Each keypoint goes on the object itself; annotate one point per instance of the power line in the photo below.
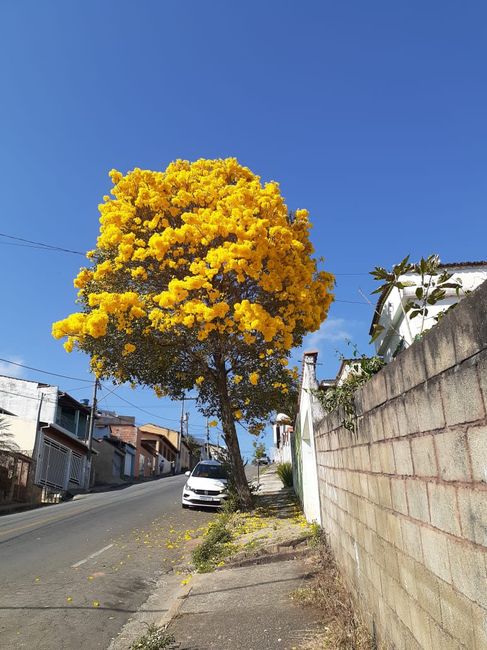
(53, 247)
(45, 372)
(43, 245)
(11, 243)
(152, 415)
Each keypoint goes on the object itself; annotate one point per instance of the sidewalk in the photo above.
(249, 607)
(245, 605)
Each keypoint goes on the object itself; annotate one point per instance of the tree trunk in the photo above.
(232, 443)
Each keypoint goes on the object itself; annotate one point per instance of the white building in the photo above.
(399, 330)
(281, 436)
(49, 426)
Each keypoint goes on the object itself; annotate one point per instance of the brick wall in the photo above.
(404, 498)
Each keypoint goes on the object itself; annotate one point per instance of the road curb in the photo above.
(173, 610)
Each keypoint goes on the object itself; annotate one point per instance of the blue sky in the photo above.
(369, 114)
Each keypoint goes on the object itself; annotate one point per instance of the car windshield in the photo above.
(204, 470)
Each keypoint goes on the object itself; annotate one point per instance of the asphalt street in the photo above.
(72, 574)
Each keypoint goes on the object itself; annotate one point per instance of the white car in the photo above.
(206, 485)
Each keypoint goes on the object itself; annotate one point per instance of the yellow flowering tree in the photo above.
(201, 278)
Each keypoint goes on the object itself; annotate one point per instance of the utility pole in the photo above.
(181, 436)
(91, 427)
(183, 427)
(207, 438)
(38, 446)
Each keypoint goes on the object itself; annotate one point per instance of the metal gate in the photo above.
(76, 469)
(53, 466)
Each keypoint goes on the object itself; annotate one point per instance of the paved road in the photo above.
(72, 574)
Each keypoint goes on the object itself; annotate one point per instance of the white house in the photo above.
(399, 330)
(281, 436)
(49, 426)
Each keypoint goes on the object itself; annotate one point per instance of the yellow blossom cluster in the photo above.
(202, 249)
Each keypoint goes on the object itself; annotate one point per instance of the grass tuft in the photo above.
(215, 545)
(154, 639)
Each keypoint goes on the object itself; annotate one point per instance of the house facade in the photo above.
(281, 437)
(114, 462)
(165, 442)
(50, 427)
(399, 330)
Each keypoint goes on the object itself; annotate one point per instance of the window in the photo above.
(205, 470)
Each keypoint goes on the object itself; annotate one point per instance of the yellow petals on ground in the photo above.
(199, 380)
(254, 378)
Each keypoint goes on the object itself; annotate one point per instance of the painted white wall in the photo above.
(309, 413)
(22, 398)
(23, 432)
(398, 327)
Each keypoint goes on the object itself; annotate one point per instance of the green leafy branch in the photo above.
(430, 289)
(362, 368)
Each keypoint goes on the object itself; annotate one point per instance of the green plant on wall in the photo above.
(362, 368)
(431, 284)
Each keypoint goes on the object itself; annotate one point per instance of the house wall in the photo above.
(23, 431)
(103, 463)
(22, 398)
(145, 464)
(129, 433)
(404, 499)
(185, 461)
(281, 453)
(129, 463)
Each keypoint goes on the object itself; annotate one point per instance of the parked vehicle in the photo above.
(206, 485)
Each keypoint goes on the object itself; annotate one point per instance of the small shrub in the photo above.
(232, 502)
(315, 534)
(212, 549)
(154, 639)
(285, 473)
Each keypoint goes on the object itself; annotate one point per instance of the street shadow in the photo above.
(307, 576)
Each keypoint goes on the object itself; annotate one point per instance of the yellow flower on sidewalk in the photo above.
(128, 348)
(254, 378)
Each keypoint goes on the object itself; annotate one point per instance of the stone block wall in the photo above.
(404, 498)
